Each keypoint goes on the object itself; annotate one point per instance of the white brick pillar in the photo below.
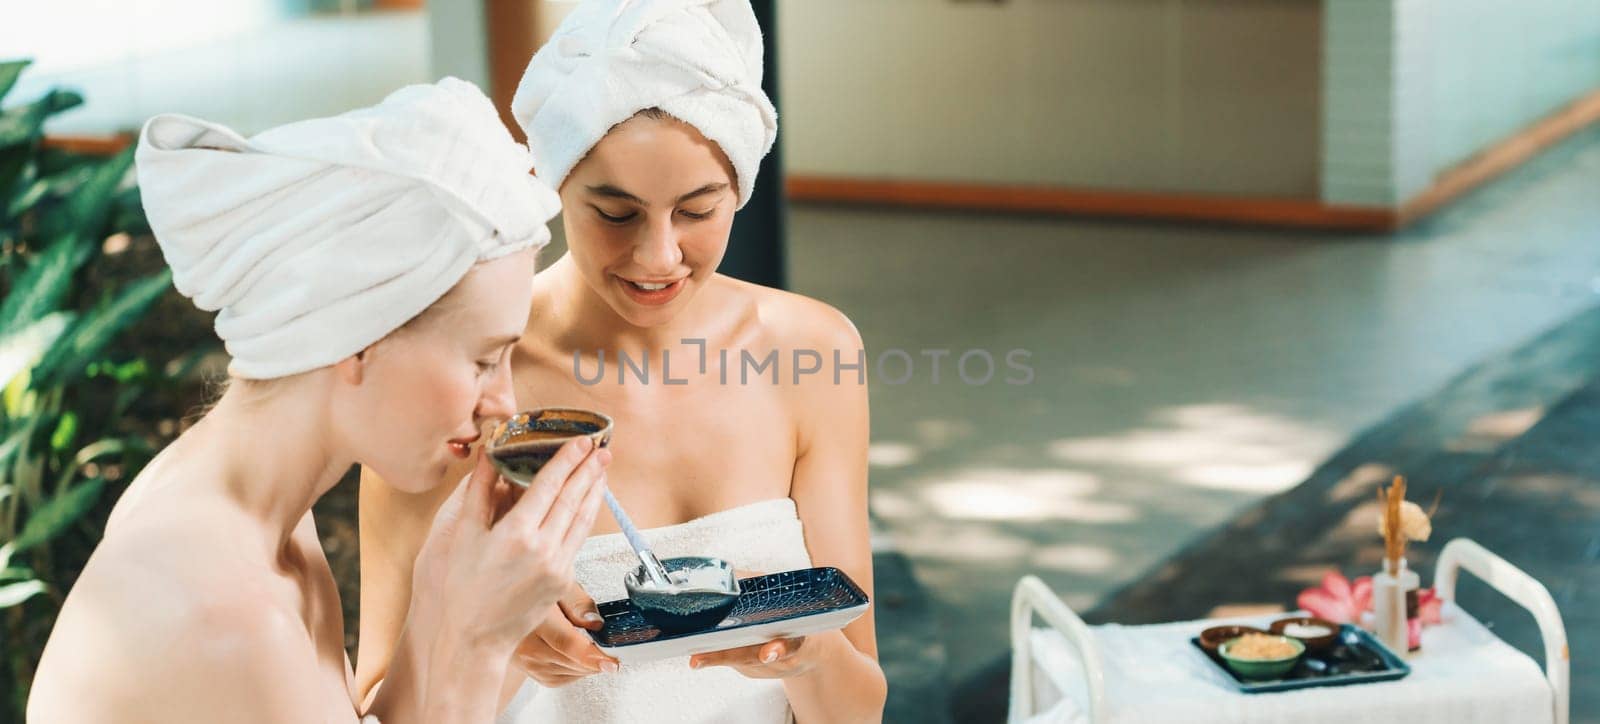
(1376, 150)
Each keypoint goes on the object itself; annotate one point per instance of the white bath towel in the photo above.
(317, 238)
(765, 537)
(698, 60)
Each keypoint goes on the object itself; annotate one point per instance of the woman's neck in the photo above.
(270, 454)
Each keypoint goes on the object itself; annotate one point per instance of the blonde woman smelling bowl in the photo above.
(371, 272)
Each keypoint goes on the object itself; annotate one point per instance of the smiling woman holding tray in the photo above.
(649, 118)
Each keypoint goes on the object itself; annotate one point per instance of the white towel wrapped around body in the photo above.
(317, 238)
(698, 60)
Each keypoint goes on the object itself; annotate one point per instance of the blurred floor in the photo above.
(1180, 373)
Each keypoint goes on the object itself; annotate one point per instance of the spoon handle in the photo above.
(652, 565)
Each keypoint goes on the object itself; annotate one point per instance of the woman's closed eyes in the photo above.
(621, 219)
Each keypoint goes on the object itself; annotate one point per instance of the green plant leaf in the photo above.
(15, 593)
(25, 123)
(15, 574)
(26, 198)
(17, 169)
(42, 286)
(128, 213)
(16, 398)
(106, 446)
(58, 513)
(24, 347)
(12, 444)
(89, 206)
(9, 72)
(66, 431)
(5, 554)
(86, 340)
(130, 371)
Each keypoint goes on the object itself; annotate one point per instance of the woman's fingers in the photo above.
(575, 647)
(478, 504)
(536, 653)
(580, 609)
(583, 523)
(554, 680)
(767, 653)
(530, 510)
(569, 501)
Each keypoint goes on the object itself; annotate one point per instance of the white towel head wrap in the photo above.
(318, 238)
(698, 60)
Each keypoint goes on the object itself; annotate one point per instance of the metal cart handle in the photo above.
(1032, 596)
(1528, 593)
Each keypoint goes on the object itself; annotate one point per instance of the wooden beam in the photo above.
(1090, 202)
(98, 145)
(1264, 211)
(512, 28)
(1503, 157)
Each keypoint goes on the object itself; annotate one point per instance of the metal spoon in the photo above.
(652, 565)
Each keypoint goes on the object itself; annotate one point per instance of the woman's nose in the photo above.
(500, 400)
(657, 252)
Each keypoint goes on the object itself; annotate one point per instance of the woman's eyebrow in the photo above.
(503, 341)
(703, 190)
(613, 192)
(609, 191)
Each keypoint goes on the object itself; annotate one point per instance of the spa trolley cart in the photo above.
(1070, 672)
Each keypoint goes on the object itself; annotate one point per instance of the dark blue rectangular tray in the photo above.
(763, 602)
(1354, 644)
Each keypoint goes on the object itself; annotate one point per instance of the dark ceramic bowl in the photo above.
(1215, 636)
(1313, 643)
(520, 446)
(694, 609)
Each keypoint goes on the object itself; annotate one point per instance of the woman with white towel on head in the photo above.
(372, 271)
(650, 119)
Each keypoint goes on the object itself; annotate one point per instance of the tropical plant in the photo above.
(63, 390)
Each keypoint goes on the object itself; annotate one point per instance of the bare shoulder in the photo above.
(160, 633)
(795, 320)
(822, 360)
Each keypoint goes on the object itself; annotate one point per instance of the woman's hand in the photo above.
(498, 557)
(558, 652)
(777, 659)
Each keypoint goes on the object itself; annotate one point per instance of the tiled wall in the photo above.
(1414, 87)
(1196, 96)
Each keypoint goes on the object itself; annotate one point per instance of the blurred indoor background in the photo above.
(1232, 235)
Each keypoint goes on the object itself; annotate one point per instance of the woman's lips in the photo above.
(651, 297)
(461, 447)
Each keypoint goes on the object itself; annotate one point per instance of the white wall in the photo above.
(65, 35)
(1416, 87)
(1497, 66)
(250, 64)
(1208, 96)
(457, 41)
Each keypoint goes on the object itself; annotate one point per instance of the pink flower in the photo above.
(1343, 601)
(1337, 599)
(1428, 605)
